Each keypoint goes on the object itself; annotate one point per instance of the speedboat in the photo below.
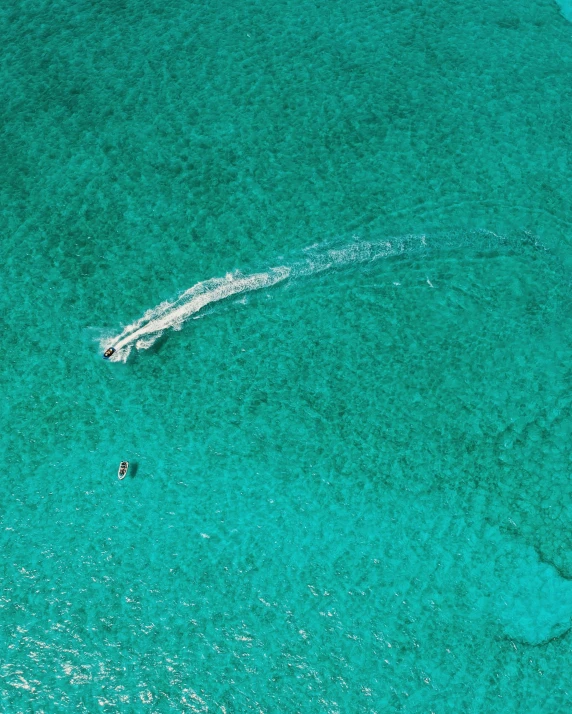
(108, 352)
(123, 467)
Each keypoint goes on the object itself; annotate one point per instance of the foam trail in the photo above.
(145, 331)
(317, 258)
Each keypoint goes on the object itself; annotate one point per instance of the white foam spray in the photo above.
(144, 332)
(317, 258)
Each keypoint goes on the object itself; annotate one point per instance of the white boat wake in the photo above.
(144, 332)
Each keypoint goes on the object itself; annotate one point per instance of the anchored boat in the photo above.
(123, 468)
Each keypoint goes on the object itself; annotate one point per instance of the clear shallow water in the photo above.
(566, 7)
(352, 488)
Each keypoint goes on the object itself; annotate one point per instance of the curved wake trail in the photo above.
(144, 332)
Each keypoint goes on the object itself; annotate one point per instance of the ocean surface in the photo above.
(332, 244)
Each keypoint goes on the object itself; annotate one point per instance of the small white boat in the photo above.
(123, 468)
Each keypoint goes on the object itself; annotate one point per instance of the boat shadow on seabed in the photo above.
(127, 469)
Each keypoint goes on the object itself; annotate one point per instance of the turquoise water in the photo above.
(566, 7)
(334, 242)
